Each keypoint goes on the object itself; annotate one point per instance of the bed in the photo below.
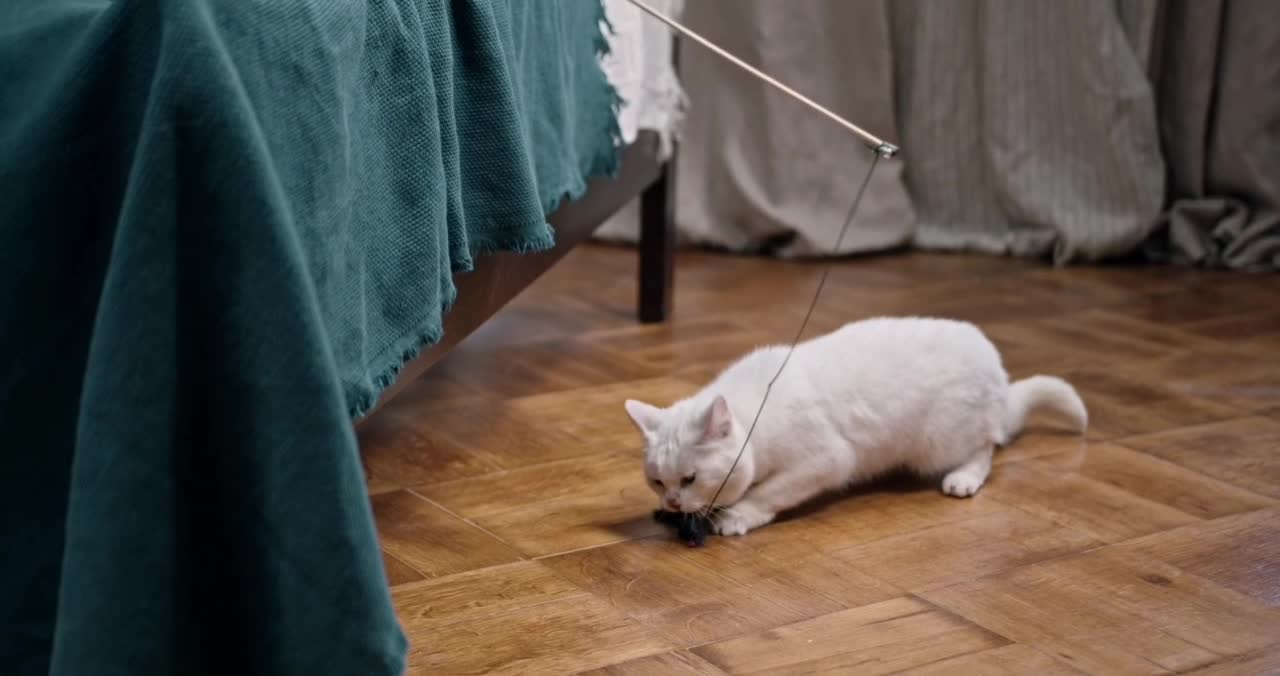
(227, 231)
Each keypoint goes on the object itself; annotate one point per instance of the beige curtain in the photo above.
(1217, 83)
(1080, 130)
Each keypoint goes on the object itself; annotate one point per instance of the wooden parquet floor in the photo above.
(516, 528)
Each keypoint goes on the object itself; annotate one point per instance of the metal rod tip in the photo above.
(886, 150)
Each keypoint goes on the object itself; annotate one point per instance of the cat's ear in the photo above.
(717, 422)
(646, 417)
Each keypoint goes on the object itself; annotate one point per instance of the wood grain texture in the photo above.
(594, 415)
(402, 450)
(1009, 660)
(561, 637)
(399, 572)
(1124, 405)
(678, 663)
(430, 540)
(479, 593)
(1107, 612)
(558, 506)
(1156, 480)
(516, 525)
(881, 638)
(1242, 376)
(1252, 664)
(1102, 511)
(1241, 451)
(1241, 552)
(806, 580)
(992, 542)
(657, 584)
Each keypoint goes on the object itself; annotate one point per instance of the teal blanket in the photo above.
(224, 226)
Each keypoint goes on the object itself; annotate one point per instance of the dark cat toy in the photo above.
(694, 527)
(691, 527)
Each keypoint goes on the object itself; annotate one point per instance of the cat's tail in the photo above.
(1043, 393)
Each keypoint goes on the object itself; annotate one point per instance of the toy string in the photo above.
(822, 282)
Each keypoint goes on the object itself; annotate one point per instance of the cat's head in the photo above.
(689, 449)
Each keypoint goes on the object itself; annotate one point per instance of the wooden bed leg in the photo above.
(657, 247)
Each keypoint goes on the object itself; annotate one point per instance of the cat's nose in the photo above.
(673, 504)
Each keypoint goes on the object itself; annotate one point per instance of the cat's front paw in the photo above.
(961, 484)
(739, 519)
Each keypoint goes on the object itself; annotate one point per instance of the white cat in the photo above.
(928, 395)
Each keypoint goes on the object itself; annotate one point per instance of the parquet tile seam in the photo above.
(467, 521)
(1229, 659)
(1235, 486)
(1129, 438)
(660, 630)
(588, 548)
(1142, 539)
(1000, 573)
(410, 566)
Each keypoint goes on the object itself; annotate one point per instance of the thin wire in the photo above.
(822, 282)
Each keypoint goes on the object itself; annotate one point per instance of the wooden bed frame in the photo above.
(501, 277)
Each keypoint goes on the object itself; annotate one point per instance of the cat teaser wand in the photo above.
(881, 147)
(694, 528)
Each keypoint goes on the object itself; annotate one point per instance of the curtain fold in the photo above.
(1218, 88)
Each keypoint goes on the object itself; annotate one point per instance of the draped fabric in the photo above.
(224, 227)
(1078, 131)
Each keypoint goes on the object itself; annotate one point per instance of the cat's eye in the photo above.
(657, 482)
(688, 480)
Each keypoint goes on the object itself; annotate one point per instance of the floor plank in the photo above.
(677, 663)
(989, 543)
(401, 450)
(1241, 452)
(558, 506)
(1243, 377)
(873, 513)
(1093, 507)
(1009, 660)
(1122, 405)
(1156, 480)
(431, 541)
(1038, 441)
(595, 415)
(655, 583)
(1106, 612)
(792, 573)
(477, 594)
(399, 572)
(1241, 552)
(1259, 328)
(1261, 662)
(561, 637)
(882, 638)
